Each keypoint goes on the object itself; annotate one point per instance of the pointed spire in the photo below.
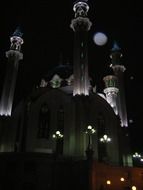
(17, 32)
(115, 47)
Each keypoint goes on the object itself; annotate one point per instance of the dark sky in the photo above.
(47, 35)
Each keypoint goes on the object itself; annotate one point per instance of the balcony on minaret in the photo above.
(111, 91)
(16, 40)
(80, 21)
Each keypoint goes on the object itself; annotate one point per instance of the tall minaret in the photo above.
(119, 69)
(111, 91)
(13, 55)
(80, 25)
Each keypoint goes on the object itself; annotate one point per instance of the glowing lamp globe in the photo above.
(100, 39)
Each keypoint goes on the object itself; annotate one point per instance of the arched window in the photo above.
(60, 119)
(101, 124)
(44, 122)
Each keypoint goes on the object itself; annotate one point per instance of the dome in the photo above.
(63, 71)
(60, 76)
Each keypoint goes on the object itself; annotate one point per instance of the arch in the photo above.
(44, 122)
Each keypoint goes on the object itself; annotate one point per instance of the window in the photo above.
(60, 120)
(44, 122)
(101, 124)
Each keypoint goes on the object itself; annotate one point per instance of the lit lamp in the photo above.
(57, 135)
(134, 188)
(89, 131)
(108, 182)
(141, 159)
(136, 155)
(105, 139)
(122, 179)
(137, 159)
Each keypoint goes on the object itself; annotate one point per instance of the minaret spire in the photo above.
(80, 25)
(119, 69)
(14, 55)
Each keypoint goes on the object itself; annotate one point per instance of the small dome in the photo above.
(60, 76)
(63, 71)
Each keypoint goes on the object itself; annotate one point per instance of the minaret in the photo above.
(119, 69)
(111, 91)
(14, 56)
(80, 25)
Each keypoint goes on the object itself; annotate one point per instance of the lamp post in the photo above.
(105, 139)
(89, 131)
(137, 159)
(58, 136)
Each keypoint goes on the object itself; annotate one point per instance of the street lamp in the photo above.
(105, 139)
(141, 159)
(57, 135)
(89, 131)
(137, 159)
(136, 155)
(134, 187)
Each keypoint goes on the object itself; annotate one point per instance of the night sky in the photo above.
(48, 36)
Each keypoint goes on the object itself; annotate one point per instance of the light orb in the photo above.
(100, 39)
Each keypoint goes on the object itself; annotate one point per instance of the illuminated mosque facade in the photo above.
(65, 133)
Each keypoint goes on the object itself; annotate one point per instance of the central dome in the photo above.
(63, 71)
(60, 76)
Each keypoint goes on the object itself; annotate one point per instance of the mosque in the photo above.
(65, 134)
